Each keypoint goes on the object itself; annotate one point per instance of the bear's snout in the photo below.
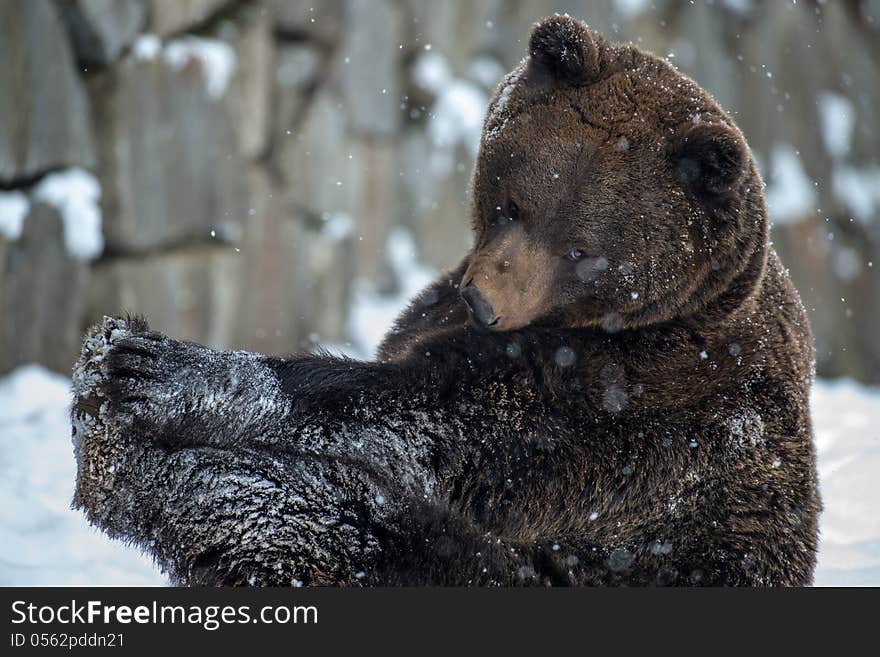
(480, 309)
(508, 282)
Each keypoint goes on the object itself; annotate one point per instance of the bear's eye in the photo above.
(575, 254)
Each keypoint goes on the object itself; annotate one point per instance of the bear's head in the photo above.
(610, 191)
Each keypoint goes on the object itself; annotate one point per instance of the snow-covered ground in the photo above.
(846, 420)
(44, 542)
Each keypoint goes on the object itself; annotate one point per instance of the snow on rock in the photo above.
(456, 116)
(76, 194)
(431, 72)
(43, 541)
(847, 263)
(337, 225)
(216, 58)
(741, 7)
(631, 8)
(486, 71)
(837, 119)
(372, 313)
(146, 47)
(14, 207)
(859, 190)
(790, 194)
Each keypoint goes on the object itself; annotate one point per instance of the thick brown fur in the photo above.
(622, 399)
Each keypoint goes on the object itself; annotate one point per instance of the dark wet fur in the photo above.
(670, 447)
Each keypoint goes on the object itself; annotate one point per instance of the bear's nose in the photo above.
(480, 309)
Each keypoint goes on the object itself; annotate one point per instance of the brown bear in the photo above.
(611, 388)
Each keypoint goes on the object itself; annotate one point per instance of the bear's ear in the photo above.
(565, 49)
(711, 158)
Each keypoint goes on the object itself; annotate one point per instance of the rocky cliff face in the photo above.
(240, 171)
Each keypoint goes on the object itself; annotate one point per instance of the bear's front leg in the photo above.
(211, 512)
(179, 393)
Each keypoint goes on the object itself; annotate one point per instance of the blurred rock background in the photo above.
(270, 174)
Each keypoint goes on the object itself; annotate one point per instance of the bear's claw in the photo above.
(89, 375)
(94, 439)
